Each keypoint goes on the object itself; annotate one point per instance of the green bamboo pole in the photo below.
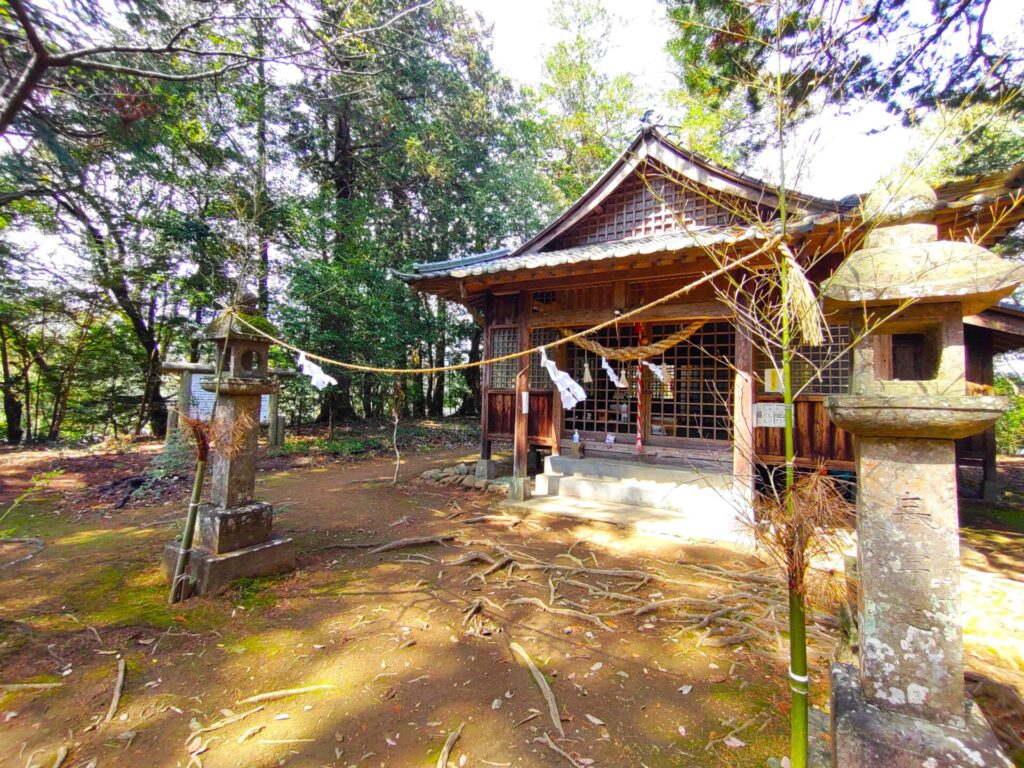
(797, 620)
(188, 536)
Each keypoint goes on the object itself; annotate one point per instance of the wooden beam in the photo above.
(995, 321)
(711, 310)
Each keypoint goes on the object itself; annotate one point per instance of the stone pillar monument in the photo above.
(905, 295)
(234, 536)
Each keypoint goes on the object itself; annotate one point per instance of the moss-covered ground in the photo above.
(406, 645)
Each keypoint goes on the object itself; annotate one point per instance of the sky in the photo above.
(845, 153)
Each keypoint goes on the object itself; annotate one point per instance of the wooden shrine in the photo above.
(645, 229)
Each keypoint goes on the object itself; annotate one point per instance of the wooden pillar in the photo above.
(743, 458)
(273, 408)
(485, 383)
(561, 355)
(520, 488)
(184, 406)
(989, 479)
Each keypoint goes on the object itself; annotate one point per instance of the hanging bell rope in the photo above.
(643, 352)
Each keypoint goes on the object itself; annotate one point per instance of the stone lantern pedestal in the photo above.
(234, 532)
(907, 292)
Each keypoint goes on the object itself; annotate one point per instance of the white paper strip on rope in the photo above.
(657, 370)
(316, 374)
(616, 379)
(570, 391)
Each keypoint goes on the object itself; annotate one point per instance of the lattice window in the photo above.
(696, 399)
(656, 204)
(539, 378)
(831, 361)
(607, 408)
(503, 342)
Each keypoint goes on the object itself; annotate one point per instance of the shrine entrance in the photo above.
(681, 400)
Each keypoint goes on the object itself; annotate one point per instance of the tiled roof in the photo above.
(499, 262)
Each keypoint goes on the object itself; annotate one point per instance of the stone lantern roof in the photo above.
(907, 263)
(227, 323)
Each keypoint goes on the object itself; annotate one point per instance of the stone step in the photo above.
(564, 466)
(695, 525)
(681, 497)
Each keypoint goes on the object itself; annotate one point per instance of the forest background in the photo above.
(158, 157)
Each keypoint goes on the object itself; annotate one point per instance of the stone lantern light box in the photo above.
(905, 294)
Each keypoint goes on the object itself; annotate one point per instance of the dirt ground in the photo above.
(656, 652)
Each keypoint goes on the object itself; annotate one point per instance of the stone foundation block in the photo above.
(225, 530)
(519, 488)
(864, 736)
(485, 470)
(212, 572)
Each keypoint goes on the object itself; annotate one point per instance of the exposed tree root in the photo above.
(545, 689)
(446, 751)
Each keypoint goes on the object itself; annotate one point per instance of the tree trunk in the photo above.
(471, 403)
(262, 207)
(337, 402)
(414, 388)
(27, 389)
(67, 380)
(437, 379)
(12, 405)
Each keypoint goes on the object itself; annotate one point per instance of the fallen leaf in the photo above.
(733, 742)
(595, 720)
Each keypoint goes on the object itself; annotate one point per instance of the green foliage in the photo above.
(37, 483)
(177, 459)
(344, 446)
(1010, 427)
(380, 149)
(910, 57)
(585, 115)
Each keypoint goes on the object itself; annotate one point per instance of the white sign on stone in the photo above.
(769, 415)
(202, 401)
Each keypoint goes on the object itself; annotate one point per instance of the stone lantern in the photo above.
(234, 536)
(905, 294)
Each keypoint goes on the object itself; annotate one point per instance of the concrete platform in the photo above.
(694, 526)
(683, 503)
